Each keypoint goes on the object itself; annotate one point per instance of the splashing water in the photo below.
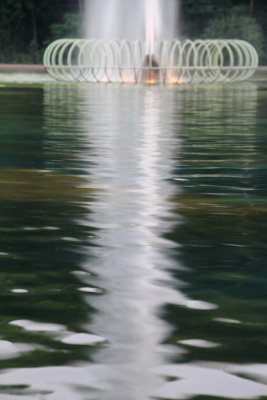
(147, 20)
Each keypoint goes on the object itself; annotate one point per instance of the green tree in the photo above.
(237, 25)
(11, 30)
(196, 14)
(205, 7)
(25, 26)
(70, 26)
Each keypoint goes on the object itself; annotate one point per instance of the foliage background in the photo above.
(27, 26)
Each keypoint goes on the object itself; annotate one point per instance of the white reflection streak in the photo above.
(131, 165)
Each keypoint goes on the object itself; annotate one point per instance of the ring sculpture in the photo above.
(166, 62)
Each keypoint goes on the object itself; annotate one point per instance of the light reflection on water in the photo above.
(139, 166)
(131, 214)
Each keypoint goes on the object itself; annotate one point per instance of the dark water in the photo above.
(133, 248)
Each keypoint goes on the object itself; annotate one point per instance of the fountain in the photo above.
(150, 54)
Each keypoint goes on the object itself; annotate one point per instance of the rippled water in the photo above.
(133, 242)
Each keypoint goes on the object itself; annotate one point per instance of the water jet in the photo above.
(150, 53)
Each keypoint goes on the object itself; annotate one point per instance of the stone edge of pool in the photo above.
(22, 68)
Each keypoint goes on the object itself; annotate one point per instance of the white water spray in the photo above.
(134, 41)
(152, 23)
(147, 20)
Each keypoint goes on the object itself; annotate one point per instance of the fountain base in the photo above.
(200, 61)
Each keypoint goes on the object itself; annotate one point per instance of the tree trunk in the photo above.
(34, 32)
(251, 6)
(34, 29)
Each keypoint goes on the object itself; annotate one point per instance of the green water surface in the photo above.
(133, 251)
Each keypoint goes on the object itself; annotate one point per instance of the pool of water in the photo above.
(133, 244)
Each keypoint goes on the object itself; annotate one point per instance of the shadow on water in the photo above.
(133, 242)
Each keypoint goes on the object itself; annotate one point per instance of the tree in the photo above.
(11, 27)
(25, 26)
(237, 24)
(70, 26)
(196, 14)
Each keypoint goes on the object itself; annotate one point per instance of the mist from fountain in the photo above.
(146, 20)
(135, 41)
(152, 23)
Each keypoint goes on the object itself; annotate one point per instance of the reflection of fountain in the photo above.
(133, 145)
(131, 168)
